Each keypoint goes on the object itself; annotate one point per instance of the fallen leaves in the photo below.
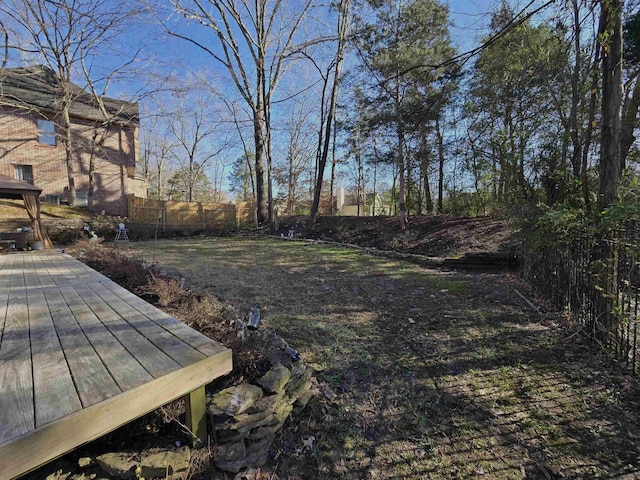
(307, 443)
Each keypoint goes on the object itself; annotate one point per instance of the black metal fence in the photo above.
(598, 281)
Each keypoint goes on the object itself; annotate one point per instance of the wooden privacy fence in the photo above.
(172, 215)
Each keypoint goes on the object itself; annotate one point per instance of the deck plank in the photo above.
(70, 275)
(169, 334)
(188, 335)
(55, 394)
(156, 362)
(171, 345)
(123, 367)
(92, 380)
(16, 383)
(4, 294)
(35, 448)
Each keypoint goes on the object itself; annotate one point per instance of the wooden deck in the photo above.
(81, 356)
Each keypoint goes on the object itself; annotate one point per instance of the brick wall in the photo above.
(114, 161)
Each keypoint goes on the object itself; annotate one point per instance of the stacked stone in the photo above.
(159, 463)
(245, 418)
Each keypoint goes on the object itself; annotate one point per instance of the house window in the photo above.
(46, 133)
(24, 173)
(81, 199)
(54, 199)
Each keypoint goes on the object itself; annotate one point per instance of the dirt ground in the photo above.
(432, 235)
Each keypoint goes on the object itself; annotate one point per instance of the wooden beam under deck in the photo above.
(81, 356)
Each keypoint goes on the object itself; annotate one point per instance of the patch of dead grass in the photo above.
(436, 375)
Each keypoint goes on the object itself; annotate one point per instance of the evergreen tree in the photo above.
(405, 47)
(201, 188)
(240, 178)
(518, 86)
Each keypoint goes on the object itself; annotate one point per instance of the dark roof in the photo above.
(39, 87)
(11, 188)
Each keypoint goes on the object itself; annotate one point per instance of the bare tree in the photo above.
(198, 138)
(160, 149)
(156, 149)
(631, 102)
(253, 41)
(114, 114)
(325, 135)
(62, 35)
(300, 149)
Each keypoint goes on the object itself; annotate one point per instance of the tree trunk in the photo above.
(402, 200)
(375, 193)
(191, 179)
(271, 211)
(575, 94)
(630, 119)
(440, 164)
(401, 180)
(333, 168)
(319, 152)
(428, 200)
(394, 199)
(410, 186)
(97, 141)
(584, 178)
(362, 195)
(425, 162)
(610, 158)
(258, 136)
(159, 182)
(68, 151)
(290, 193)
(342, 37)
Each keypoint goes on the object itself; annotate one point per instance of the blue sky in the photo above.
(470, 19)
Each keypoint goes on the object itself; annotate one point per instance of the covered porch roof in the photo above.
(14, 189)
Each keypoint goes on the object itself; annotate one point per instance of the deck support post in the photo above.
(196, 413)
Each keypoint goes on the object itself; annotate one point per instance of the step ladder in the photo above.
(121, 234)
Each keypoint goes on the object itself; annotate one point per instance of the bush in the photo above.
(559, 227)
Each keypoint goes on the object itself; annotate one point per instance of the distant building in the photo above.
(352, 204)
(31, 149)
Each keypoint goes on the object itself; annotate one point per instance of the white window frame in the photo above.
(19, 173)
(46, 132)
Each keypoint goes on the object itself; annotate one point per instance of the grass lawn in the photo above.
(436, 374)
(14, 209)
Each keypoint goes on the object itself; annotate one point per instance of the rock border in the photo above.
(245, 418)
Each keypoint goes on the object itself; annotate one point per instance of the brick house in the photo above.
(31, 148)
